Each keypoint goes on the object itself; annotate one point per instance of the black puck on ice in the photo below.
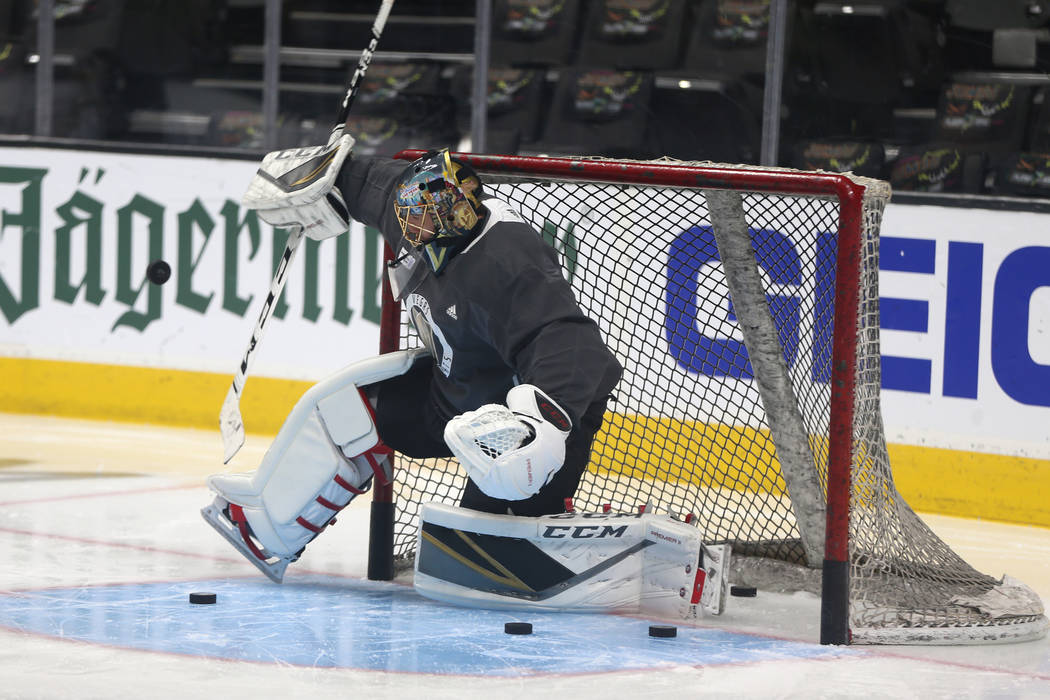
(158, 272)
(518, 628)
(203, 598)
(743, 591)
(664, 631)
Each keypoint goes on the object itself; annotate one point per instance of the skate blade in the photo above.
(214, 517)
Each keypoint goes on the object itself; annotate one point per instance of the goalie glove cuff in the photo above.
(534, 406)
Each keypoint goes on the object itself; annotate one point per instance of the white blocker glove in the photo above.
(296, 188)
(510, 452)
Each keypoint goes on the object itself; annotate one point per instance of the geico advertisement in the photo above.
(965, 303)
(79, 229)
(964, 308)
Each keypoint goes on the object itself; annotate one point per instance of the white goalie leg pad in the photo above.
(580, 562)
(326, 452)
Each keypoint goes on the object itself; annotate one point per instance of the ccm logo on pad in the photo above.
(583, 532)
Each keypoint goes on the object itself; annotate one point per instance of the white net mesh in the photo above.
(688, 429)
(493, 430)
(905, 583)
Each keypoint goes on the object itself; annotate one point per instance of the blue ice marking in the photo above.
(339, 623)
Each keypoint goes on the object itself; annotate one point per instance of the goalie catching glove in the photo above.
(510, 452)
(296, 188)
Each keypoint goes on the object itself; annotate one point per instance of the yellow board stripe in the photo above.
(141, 394)
(951, 482)
(737, 457)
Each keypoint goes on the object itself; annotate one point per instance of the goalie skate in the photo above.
(239, 535)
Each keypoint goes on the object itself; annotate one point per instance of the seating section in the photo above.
(627, 35)
(516, 109)
(534, 32)
(16, 89)
(934, 95)
(867, 158)
(728, 38)
(403, 104)
(982, 35)
(950, 92)
(1023, 174)
(1039, 133)
(945, 168)
(597, 112)
(985, 115)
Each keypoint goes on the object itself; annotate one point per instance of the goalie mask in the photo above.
(438, 206)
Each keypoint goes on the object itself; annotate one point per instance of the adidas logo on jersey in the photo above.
(451, 311)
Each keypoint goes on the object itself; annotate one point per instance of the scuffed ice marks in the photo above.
(324, 622)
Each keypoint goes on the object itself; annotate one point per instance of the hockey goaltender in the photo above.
(512, 379)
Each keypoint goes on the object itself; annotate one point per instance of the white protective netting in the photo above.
(689, 431)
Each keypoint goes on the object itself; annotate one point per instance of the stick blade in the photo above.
(231, 425)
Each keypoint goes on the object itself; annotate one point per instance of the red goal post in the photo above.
(743, 302)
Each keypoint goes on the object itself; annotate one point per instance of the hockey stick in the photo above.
(231, 424)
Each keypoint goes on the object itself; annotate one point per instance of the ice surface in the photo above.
(103, 542)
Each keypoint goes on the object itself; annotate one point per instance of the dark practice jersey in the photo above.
(500, 313)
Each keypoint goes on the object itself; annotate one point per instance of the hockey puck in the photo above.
(203, 598)
(158, 272)
(743, 591)
(518, 628)
(663, 631)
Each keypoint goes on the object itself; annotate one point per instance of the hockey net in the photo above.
(730, 294)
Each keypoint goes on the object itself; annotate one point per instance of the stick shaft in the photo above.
(231, 424)
(364, 61)
(280, 277)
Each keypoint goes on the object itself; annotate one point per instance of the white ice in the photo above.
(102, 538)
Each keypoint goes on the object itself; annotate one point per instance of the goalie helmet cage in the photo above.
(743, 304)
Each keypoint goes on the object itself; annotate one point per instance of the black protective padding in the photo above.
(834, 604)
(491, 563)
(381, 541)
